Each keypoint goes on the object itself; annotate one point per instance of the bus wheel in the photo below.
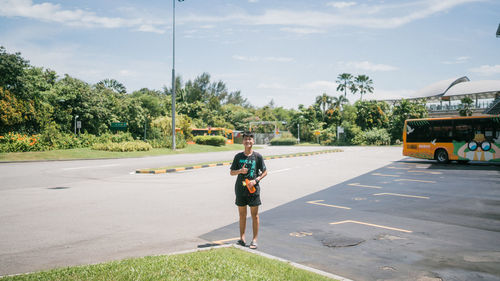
(442, 156)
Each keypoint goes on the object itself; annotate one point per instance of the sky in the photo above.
(286, 51)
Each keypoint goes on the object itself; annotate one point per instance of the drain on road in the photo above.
(59, 187)
(334, 240)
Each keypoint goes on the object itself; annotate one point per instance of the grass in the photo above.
(87, 153)
(216, 264)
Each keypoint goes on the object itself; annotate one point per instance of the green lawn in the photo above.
(87, 153)
(216, 264)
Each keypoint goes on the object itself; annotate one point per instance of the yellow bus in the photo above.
(227, 133)
(462, 139)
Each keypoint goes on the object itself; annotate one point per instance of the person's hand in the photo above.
(243, 170)
(251, 183)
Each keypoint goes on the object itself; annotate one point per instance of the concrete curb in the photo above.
(294, 264)
(173, 170)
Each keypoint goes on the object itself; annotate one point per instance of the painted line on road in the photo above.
(315, 202)
(371, 224)
(279, 171)
(399, 168)
(402, 195)
(363, 185)
(425, 172)
(220, 242)
(385, 175)
(87, 167)
(415, 180)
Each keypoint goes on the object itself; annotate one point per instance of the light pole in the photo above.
(173, 76)
(76, 117)
(298, 133)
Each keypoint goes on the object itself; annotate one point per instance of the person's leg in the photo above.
(254, 211)
(242, 210)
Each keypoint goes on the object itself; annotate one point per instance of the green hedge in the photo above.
(123, 146)
(210, 140)
(283, 141)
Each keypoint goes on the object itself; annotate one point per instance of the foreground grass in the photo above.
(87, 153)
(215, 264)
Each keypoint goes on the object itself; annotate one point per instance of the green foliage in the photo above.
(123, 146)
(166, 142)
(372, 114)
(283, 141)
(465, 108)
(403, 111)
(376, 136)
(210, 140)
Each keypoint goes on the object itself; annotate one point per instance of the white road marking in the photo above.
(279, 171)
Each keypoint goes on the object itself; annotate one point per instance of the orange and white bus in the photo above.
(463, 139)
(227, 133)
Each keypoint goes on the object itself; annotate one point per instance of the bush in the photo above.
(161, 142)
(210, 140)
(13, 142)
(283, 141)
(123, 146)
(374, 136)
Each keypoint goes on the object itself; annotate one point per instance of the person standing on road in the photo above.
(250, 168)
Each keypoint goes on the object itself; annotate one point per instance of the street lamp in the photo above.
(173, 74)
(76, 117)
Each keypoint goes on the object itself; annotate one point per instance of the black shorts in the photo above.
(252, 200)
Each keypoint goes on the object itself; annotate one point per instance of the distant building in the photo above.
(443, 98)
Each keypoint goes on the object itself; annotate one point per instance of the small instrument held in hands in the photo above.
(247, 184)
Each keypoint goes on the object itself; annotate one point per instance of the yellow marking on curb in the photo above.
(225, 240)
(415, 180)
(385, 175)
(327, 205)
(160, 171)
(180, 169)
(426, 172)
(402, 195)
(374, 225)
(362, 185)
(196, 167)
(399, 168)
(212, 165)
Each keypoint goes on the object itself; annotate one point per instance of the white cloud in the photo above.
(368, 66)
(274, 86)
(321, 86)
(55, 13)
(457, 60)
(302, 30)
(486, 69)
(253, 1)
(268, 59)
(340, 5)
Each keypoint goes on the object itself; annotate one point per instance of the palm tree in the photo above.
(339, 101)
(363, 84)
(324, 101)
(112, 84)
(344, 80)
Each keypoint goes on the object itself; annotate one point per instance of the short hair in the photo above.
(248, 134)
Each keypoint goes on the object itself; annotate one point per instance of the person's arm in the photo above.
(240, 171)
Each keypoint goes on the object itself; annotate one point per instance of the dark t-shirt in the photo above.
(255, 165)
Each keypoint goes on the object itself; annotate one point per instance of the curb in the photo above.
(294, 264)
(173, 170)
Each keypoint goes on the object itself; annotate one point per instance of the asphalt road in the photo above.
(409, 220)
(62, 213)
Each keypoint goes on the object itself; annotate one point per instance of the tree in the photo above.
(363, 84)
(465, 108)
(323, 102)
(112, 84)
(344, 81)
(372, 114)
(403, 111)
(11, 71)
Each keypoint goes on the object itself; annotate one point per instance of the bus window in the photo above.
(464, 131)
(442, 130)
(419, 131)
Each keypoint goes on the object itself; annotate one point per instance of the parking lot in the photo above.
(409, 220)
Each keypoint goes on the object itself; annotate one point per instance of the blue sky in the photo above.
(286, 50)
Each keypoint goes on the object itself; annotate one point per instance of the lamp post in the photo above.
(76, 117)
(173, 76)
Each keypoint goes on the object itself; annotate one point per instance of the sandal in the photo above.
(253, 245)
(241, 243)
